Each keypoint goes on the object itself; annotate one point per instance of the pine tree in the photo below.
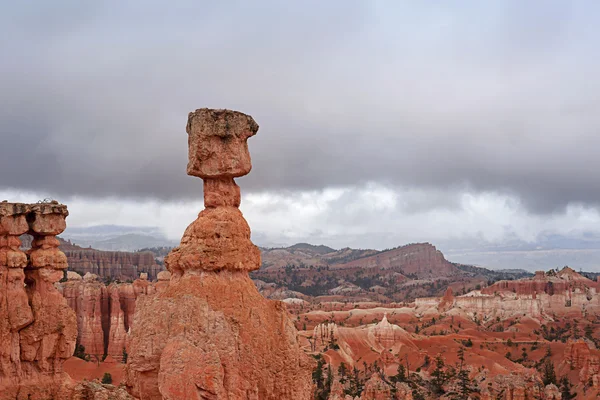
(565, 389)
(465, 386)
(322, 387)
(355, 384)
(439, 375)
(400, 375)
(317, 375)
(548, 374)
(342, 372)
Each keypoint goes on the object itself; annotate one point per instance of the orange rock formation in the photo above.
(210, 334)
(104, 313)
(37, 328)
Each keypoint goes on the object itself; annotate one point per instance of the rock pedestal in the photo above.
(209, 334)
(38, 330)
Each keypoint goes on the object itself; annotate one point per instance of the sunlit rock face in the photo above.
(209, 333)
(38, 329)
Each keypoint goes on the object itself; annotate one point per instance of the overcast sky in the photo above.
(381, 123)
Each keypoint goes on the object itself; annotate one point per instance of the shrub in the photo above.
(107, 378)
(80, 353)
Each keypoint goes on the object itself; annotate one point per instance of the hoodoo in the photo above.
(210, 334)
(38, 330)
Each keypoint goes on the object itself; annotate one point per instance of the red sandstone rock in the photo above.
(389, 336)
(88, 298)
(580, 357)
(117, 334)
(210, 334)
(337, 391)
(163, 280)
(551, 392)
(104, 314)
(37, 328)
(376, 389)
(447, 301)
(403, 392)
(218, 240)
(95, 391)
(576, 354)
(217, 143)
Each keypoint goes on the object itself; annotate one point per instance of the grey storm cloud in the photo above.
(490, 96)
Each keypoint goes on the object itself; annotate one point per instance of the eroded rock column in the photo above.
(210, 334)
(15, 313)
(37, 328)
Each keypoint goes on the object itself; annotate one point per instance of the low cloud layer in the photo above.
(485, 97)
(380, 123)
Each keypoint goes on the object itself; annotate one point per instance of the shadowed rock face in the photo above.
(104, 313)
(209, 334)
(37, 328)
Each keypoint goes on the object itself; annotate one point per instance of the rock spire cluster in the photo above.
(38, 330)
(210, 334)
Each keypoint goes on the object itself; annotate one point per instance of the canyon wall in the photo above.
(210, 334)
(543, 297)
(105, 313)
(119, 265)
(419, 260)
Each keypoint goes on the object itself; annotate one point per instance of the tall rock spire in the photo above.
(220, 238)
(38, 330)
(210, 334)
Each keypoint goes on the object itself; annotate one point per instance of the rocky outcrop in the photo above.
(376, 389)
(210, 334)
(388, 336)
(37, 328)
(551, 392)
(95, 391)
(403, 391)
(580, 357)
(563, 282)
(324, 335)
(518, 386)
(447, 302)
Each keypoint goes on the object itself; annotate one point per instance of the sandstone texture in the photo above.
(376, 389)
(104, 313)
(210, 334)
(38, 330)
